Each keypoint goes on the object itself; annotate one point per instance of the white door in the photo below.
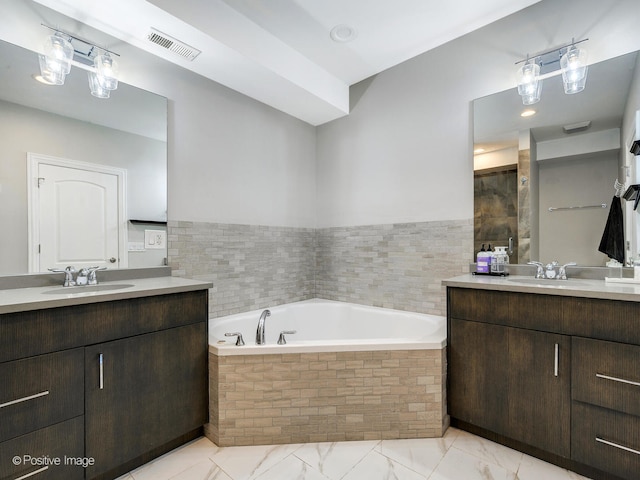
(77, 215)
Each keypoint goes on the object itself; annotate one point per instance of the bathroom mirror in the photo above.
(126, 132)
(566, 157)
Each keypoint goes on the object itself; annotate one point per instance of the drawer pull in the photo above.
(101, 361)
(556, 360)
(616, 445)
(35, 472)
(24, 399)
(616, 379)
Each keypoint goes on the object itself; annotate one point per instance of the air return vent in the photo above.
(170, 43)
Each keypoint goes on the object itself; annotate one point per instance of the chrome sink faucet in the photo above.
(92, 278)
(551, 270)
(260, 331)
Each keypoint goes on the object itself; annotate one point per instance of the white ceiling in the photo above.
(280, 52)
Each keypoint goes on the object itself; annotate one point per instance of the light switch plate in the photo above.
(155, 239)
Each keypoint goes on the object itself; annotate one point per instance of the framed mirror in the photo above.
(67, 127)
(547, 180)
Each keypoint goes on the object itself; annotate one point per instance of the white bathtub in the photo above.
(328, 326)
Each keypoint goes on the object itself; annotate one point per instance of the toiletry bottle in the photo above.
(483, 260)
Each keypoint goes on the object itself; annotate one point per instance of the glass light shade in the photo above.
(59, 53)
(53, 76)
(574, 70)
(106, 71)
(97, 89)
(529, 85)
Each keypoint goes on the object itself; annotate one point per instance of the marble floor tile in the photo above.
(457, 456)
(176, 461)
(291, 468)
(420, 455)
(376, 466)
(457, 465)
(205, 470)
(488, 451)
(534, 469)
(334, 460)
(244, 463)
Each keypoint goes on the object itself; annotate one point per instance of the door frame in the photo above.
(34, 160)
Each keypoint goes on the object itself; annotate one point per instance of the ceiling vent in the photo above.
(173, 45)
(576, 127)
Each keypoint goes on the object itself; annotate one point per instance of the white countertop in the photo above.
(528, 284)
(37, 298)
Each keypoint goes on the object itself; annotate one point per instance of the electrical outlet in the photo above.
(155, 239)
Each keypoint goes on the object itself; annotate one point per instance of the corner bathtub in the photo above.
(349, 373)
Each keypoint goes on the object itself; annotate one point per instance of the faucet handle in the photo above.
(539, 270)
(239, 340)
(281, 339)
(93, 279)
(68, 275)
(562, 274)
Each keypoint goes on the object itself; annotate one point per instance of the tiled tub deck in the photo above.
(326, 397)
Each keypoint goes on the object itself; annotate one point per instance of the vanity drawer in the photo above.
(25, 334)
(606, 374)
(34, 455)
(120, 319)
(485, 306)
(40, 391)
(606, 440)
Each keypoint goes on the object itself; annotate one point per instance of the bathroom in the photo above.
(373, 208)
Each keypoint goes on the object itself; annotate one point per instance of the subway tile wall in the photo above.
(250, 266)
(397, 266)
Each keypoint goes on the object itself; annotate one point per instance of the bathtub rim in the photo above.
(434, 341)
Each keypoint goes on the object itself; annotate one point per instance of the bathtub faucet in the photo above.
(260, 331)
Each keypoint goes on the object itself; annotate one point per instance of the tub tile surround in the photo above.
(398, 266)
(457, 455)
(320, 397)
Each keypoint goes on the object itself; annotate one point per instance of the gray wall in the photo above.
(561, 230)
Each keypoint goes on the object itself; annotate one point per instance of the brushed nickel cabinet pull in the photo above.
(556, 360)
(35, 472)
(24, 399)
(101, 361)
(616, 445)
(616, 379)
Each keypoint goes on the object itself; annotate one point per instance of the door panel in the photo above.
(78, 218)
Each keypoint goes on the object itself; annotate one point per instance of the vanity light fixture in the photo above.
(572, 64)
(61, 50)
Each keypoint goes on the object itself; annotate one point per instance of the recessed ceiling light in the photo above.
(478, 150)
(528, 113)
(40, 78)
(343, 33)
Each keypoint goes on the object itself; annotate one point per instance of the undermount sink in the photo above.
(101, 287)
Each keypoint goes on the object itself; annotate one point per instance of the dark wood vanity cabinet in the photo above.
(149, 395)
(557, 377)
(508, 380)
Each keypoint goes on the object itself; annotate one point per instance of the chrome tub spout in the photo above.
(260, 331)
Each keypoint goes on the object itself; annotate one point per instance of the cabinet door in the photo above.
(539, 373)
(149, 390)
(478, 369)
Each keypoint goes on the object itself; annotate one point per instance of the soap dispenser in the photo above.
(483, 261)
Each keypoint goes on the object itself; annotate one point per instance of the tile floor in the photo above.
(457, 456)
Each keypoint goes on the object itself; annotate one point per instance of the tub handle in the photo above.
(281, 339)
(239, 340)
